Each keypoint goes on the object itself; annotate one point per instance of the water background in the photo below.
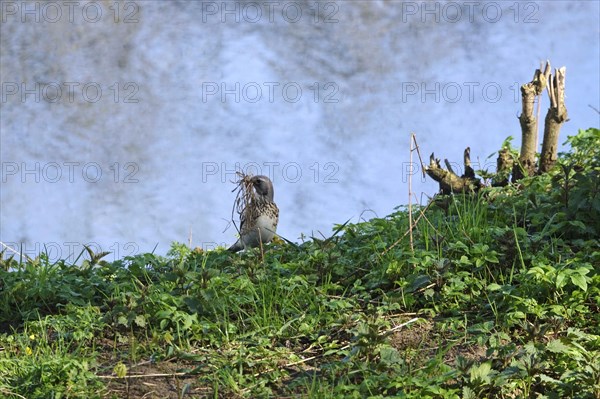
(122, 123)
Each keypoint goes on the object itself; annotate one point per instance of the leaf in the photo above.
(419, 281)
(464, 260)
(330, 352)
(481, 372)
(468, 393)
(557, 346)
(120, 370)
(560, 279)
(546, 378)
(494, 287)
(578, 223)
(390, 355)
(579, 281)
(518, 314)
(536, 270)
(140, 320)
(583, 270)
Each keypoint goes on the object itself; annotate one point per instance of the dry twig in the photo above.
(408, 231)
(157, 375)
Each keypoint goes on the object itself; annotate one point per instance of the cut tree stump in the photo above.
(529, 124)
(449, 181)
(556, 116)
(504, 165)
(527, 163)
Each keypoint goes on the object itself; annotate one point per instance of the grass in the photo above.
(500, 298)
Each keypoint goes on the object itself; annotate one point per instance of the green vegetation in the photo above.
(499, 299)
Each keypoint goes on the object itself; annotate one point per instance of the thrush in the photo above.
(258, 221)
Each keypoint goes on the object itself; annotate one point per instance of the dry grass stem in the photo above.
(243, 198)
